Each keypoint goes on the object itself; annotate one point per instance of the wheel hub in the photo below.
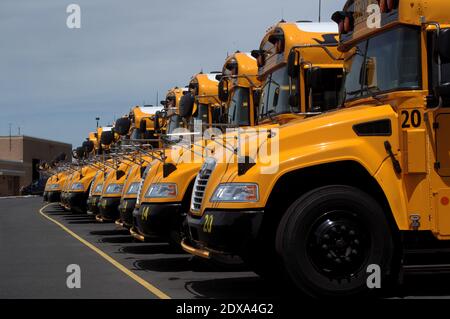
(337, 244)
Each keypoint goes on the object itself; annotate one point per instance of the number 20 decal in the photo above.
(207, 226)
(413, 118)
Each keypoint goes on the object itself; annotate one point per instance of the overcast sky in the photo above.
(54, 81)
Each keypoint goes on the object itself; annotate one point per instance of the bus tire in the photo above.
(332, 239)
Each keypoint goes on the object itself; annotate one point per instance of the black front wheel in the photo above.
(332, 238)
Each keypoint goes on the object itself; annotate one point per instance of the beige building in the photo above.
(20, 157)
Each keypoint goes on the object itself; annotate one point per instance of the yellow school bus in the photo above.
(198, 107)
(369, 183)
(96, 189)
(52, 191)
(65, 187)
(139, 124)
(164, 214)
(237, 205)
(54, 185)
(169, 121)
(78, 191)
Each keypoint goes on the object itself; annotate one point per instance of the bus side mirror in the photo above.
(78, 153)
(292, 65)
(444, 44)
(88, 146)
(122, 126)
(156, 123)
(107, 137)
(223, 90)
(186, 105)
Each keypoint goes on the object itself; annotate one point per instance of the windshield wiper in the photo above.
(374, 93)
(270, 114)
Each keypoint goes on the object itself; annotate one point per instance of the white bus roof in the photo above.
(322, 27)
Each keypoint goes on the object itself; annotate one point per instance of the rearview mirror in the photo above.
(88, 146)
(122, 126)
(186, 105)
(259, 55)
(156, 121)
(78, 153)
(223, 90)
(107, 138)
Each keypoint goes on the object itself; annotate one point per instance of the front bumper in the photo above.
(156, 220)
(126, 208)
(92, 204)
(77, 201)
(53, 197)
(224, 232)
(109, 208)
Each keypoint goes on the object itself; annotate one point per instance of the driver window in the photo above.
(326, 97)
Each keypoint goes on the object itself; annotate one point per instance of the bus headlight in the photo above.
(236, 192)
(98, 189)
(162, 190)
(77, 187)
(133, 189)
(114, 189)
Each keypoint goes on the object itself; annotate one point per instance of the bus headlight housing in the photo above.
(236, 192)
(98, 188)
(162, 190)
(77, 187)
(114, 189)
(134, 188)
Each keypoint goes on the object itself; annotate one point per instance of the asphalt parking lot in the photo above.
(35, 252)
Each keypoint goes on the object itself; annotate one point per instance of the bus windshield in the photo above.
(275, 94)
(387, 62)
(239, 111)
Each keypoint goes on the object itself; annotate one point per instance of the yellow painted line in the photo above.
(118, 265)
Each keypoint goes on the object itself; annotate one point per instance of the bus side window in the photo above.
(433, 70)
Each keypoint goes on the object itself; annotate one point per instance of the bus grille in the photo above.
(200, 184)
